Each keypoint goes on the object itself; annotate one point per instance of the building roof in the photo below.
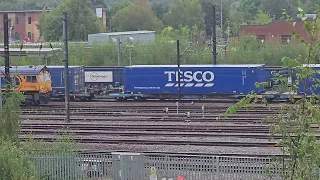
(126, 33)
(23, 70)
(31, 52)
(202, 65)
(25, 11)
(275, 28)
(100, 6)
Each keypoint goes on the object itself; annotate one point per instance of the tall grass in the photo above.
(245, 51)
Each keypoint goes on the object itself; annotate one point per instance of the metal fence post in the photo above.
(127, 165)
(0, 99)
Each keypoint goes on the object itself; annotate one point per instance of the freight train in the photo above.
(33, 81)
(161, 81)
(192, 82)
(208, 81)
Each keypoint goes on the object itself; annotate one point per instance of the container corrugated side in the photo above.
(57, 76)
(310, 84)
(194, 80)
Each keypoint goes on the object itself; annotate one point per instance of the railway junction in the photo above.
(187, 138)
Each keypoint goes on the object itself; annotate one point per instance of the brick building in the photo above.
(101, 13)
(22, 24)
(276, 31)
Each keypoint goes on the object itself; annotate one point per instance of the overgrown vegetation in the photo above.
(15, 155)
(296, 122)
(248, 50)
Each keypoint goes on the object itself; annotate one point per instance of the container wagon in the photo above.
(311, 87)
(102, 80)
(196, 81)
(76, 83)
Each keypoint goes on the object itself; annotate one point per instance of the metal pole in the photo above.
(0, 99)
(119, 51)
(46, 60)
(130, 56)
(178, 62)
(6, 49)
(66, 69)
(214, 36)
(221, 23)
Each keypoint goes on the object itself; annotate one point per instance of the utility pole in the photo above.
(214, 36)
(130, 58)
(221, 20)
(6, 50)
(178, 62)
(219, 17)
(66, 65)
(119, 51)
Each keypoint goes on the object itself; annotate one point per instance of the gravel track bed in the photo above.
(159, 138)
(155, 103)
(153, 123)
(151, 133)
(146, 116)
(183, 149)
(145, 119)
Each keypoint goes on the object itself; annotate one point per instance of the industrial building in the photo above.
(278, 31)
(132, 36)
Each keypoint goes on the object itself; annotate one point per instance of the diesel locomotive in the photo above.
(33, 81)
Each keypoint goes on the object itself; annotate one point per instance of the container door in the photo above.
(244, 76)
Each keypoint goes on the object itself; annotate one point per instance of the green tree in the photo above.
(9, 5)
(118, 6)
(159, 9)
(262, 18)
(295, 121)
(10, 118)
(98, 2)
(138, 16)
(207, 9)
(81, 21)
(275, 7)
(309, 5)
(31, 4)
(249, 6)
(186, 13)
(14, 164)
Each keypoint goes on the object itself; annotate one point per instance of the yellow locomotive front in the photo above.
(33, 81)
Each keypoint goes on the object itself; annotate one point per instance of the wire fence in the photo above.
(135, 166)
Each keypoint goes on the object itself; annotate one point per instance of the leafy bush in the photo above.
(14, 164)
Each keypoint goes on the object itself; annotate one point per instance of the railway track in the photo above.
(148, 126)
(137, 119)
(160, 142)
(171, 111)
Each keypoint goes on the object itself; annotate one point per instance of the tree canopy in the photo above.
(81, 21)
(154, 14)
(185, 13)
(137, 16)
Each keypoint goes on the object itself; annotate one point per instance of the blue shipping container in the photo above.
(195, 79)
(310, 84)
(104, 75)
(76, 79)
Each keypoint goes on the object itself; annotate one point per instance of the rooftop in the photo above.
(47, 52)
(25, 11)
(23, 70)
(127, 33)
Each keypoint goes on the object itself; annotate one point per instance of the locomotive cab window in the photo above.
(32, 79)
